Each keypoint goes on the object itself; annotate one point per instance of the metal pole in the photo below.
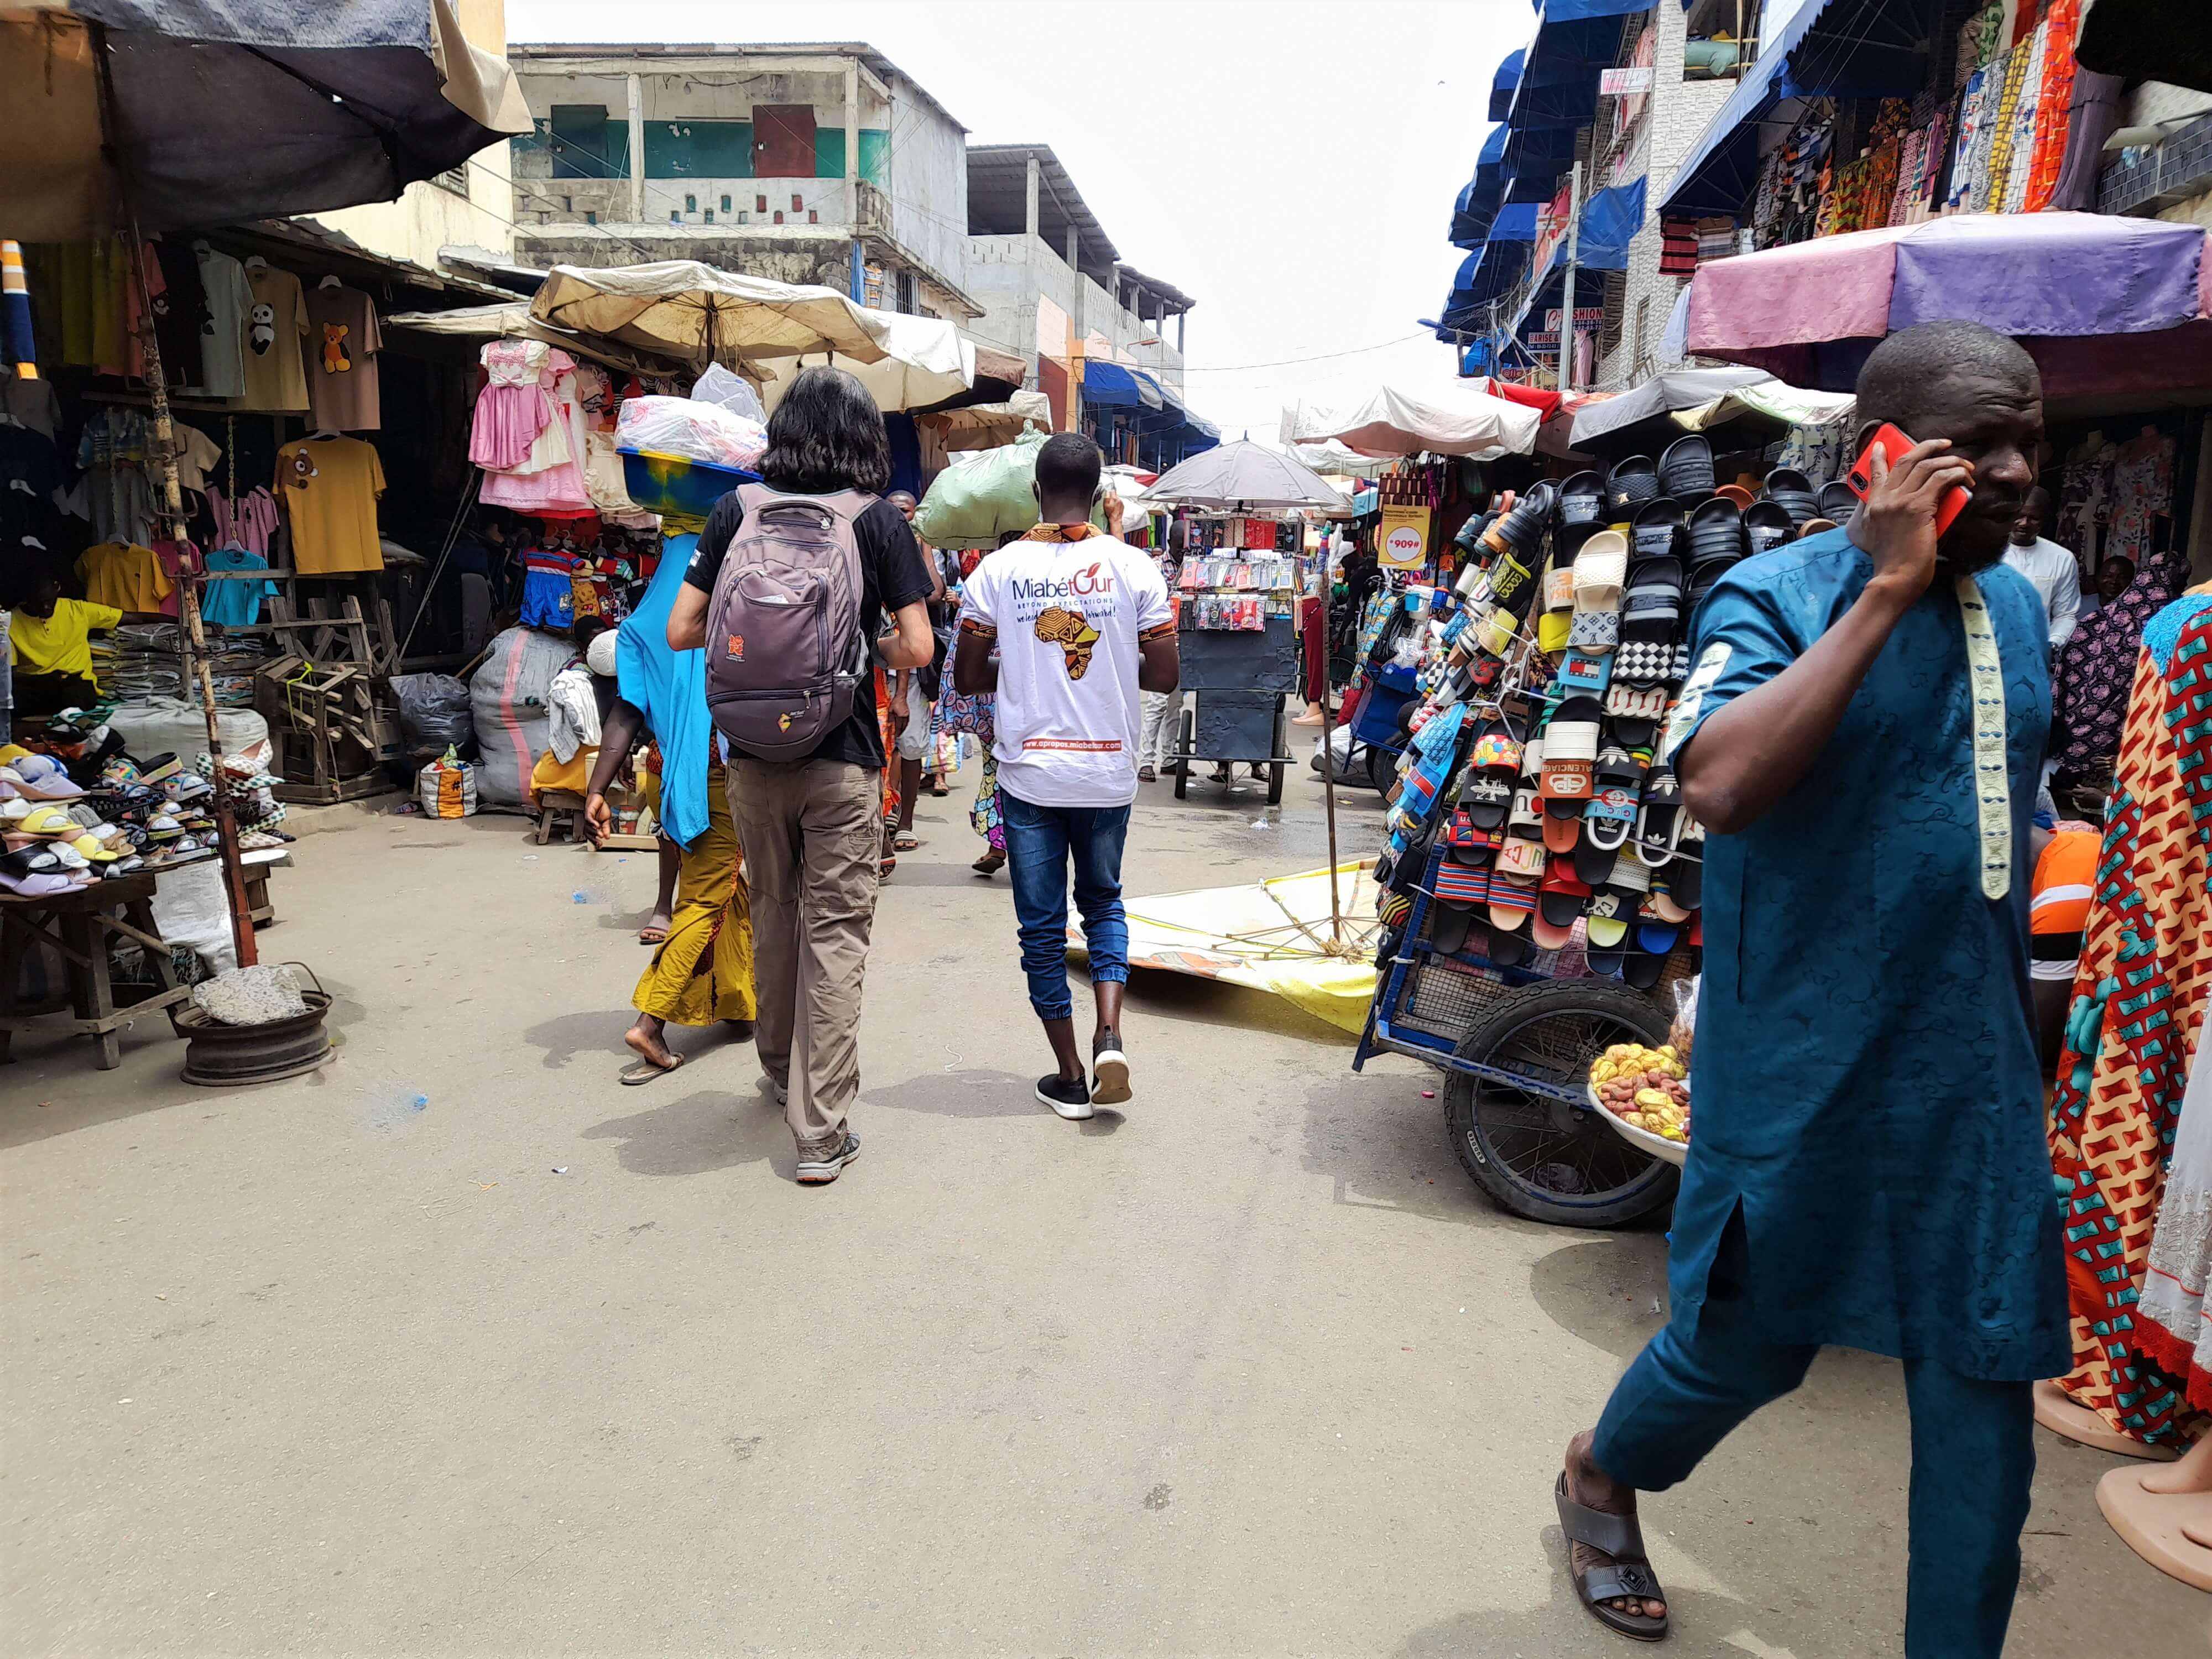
(1574, 247)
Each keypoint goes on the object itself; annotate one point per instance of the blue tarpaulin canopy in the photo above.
(1610, 220)
(1502, 85)
(1490, 271)
(1166, 431)
(1479, 199)
(1826, 48)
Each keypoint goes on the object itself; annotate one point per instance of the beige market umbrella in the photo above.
(511, 320)
(695, 313)
(1443, 415)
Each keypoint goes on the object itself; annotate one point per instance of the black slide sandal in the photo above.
(1629, 1574)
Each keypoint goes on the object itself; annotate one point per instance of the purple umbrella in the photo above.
(2063, 283)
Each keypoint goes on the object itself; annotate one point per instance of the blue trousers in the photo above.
(1041, 841)
(1973, 1454)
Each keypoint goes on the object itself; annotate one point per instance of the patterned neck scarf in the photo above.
(1992, 785)
(1061, 533)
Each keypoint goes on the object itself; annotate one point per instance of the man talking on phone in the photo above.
(1861, 736)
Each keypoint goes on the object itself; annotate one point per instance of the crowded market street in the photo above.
(1251, 1369)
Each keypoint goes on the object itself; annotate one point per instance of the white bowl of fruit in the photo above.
(1644, 1094)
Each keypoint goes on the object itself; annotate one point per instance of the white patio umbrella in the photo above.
(1247, 476)
(700, 315)
(1445, 417)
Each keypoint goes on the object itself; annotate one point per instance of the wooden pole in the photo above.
(171, 509)
(1328, 758)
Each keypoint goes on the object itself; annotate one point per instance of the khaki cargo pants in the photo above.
(812, 832)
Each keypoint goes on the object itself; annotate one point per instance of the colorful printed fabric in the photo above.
(1973, 126)
(2003, 132)
(2139, 1005)
(2061, 27)
(2089, 682)
(1677, 247)
(2024, 118)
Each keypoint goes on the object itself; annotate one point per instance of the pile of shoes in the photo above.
(55, 835)
(1523, 815)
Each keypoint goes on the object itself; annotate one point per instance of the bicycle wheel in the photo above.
(1534, 1153)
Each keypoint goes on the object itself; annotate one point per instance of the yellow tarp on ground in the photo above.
(1272, 935)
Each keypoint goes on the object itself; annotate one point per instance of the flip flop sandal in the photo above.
(652, 936)
(1686, 469)
(1814, 528)
(1582, 501)
(1561, 897)
(1493, 632)
(1645, 964)
(1521, 858)
(1487, 798)
(1663, 905)
(1633, 714)
(1562, 835)
(1512, 903)
(1793, 492)
(1652, 611)
(1835, 501)
(905, 843)
(1688, 876)
(1571, 755)
(644, 1071)
(1663, 816)
(1736, 493)
(1448, 925)
(1526, 819)
(1511, 947)
(1767, 526)
(1657, 528)
(1633, 481)
(1525, 522)
(1609, 914)
(1585, 673)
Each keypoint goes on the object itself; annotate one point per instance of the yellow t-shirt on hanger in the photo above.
(328, 487)
(126, 576)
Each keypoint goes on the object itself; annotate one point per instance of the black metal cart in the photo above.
(1241, 678)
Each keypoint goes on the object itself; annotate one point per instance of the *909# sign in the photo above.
(1402, 539)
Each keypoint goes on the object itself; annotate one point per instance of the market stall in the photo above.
(1542, 879)
(1235, 615)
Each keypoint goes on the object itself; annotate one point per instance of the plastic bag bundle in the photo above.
(434, 712)
(729, 390)
(982, 496)
(691, 430)
(508, 696)
(250, 996)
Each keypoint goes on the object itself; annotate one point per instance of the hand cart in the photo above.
(1241, 678)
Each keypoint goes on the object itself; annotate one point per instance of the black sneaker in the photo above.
(1110, 1067)
(1070, 1099)
(822, 1168)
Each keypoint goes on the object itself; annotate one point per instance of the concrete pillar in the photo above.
(853, 175)
(634, 88)
(1029, 224)
(1074, 250)
(1180, 315)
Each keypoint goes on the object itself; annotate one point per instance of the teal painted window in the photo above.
(698, 150)
(586, 144)
(829, 153)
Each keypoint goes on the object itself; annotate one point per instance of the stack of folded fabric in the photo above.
(140, 663)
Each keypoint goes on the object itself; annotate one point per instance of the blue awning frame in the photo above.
(1502, 82)
(1827, 49)
(1479, 199)
(1157, 416)
(1611, 219)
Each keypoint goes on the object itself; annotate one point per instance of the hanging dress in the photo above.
(513, 407)
(547, 482)
(2140, 998)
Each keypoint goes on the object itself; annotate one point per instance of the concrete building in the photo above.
(1052, 286)
(810, 163)
(468, 209)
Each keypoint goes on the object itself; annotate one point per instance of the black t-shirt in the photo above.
(893, 575)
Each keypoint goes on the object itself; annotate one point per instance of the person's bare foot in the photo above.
(1592, 1487)
(644, 1041)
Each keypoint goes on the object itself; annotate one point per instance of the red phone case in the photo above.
(1893, 444)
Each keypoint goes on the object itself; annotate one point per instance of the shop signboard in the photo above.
(1401, 540)
(1585, 317)
(1620, 83)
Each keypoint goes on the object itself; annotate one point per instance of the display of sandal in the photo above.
(1686, 469)
(1633, 481)
(1793, 492)
(1766, 526)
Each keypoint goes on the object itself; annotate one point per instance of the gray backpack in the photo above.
(785, 658)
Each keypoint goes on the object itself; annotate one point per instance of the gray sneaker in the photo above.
(819, 1169)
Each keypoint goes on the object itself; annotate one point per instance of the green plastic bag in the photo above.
(982, 495)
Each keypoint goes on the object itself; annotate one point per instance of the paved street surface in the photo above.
(550, 1366)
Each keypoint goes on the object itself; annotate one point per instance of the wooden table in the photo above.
(76, 924)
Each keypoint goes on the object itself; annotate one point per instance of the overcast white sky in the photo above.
(1291, 166)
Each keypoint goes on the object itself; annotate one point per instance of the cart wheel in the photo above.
(1183, 759)
(1282, 747)
(1512, 1141)
(1381, 770)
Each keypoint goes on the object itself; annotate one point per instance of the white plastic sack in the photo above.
(191, 907)
(693, 430)
(165, 726)
(509, 699)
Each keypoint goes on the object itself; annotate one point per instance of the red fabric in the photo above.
(1313, 623)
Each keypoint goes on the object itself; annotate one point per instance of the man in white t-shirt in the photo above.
(1082, 623)
(2056, 573)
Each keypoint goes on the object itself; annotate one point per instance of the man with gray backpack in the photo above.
(787, 593)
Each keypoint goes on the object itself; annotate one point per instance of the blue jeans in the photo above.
(1039, 840)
